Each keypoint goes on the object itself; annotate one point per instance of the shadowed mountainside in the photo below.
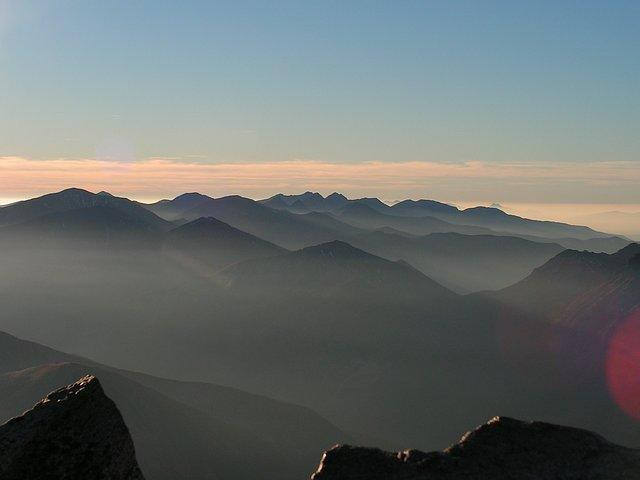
(280, 227)
(74, 199)
(339, 269)
(74, 432)
(363, 340)
(218, 427)
(462, 262)
(591, 291)
(217, 244)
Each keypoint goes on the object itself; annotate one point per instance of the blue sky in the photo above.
(547, 84)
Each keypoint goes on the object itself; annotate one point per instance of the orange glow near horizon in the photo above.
(462, 184)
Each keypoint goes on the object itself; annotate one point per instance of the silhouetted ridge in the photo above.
(590, 291)
(423, 207)
(206, 224)
(305, 202)
(336, 249)
(217, 243)
(175, 209)
(190, 197)
(281, 227)
(97, 226)
(75, 199)
(75, 432)
(627, 253)
(501, 449)
(334, 269)
(485, 211)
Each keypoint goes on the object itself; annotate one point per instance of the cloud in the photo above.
(160, 177)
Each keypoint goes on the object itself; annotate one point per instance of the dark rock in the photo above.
(503, 448)
(75, 432)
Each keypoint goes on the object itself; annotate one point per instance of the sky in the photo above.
(469, 102)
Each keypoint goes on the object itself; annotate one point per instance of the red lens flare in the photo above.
(623, 365)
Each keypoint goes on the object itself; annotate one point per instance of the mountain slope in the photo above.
(464, 263)
(174, 209)
(280, 227)
(551, 289)
(364, 216)
(74, 432)
(503, 448)
(496, 219)
(218, 427)
(305, 202)
(99, 226)
(488, 218)
(217, 244)
(333, 269)
(74, 199)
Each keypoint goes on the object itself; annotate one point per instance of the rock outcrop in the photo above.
(501, 449)
(75, 432)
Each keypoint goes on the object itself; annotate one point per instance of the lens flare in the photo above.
(623, 365)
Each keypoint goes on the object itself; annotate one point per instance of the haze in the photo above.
(234, 235)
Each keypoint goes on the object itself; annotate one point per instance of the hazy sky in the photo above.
(462, 101)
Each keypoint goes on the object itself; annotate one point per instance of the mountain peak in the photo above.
(336, 249)
(74, 432)
(191, 196)
(487, 211)
(336, 196)
(72, 191)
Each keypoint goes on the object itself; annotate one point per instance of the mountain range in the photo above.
(484, 217)
(363, 322)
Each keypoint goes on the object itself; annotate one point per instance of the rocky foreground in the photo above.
(503, 448)
(75, 432)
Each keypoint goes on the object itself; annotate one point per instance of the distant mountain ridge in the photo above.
(173, 209)
(483, 217)
(217, 244)
(340, 269)
(77, 219)
(281, 227)
(74, 199)
(461, 262)
(568, 289)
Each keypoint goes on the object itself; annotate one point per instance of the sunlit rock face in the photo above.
(503, 448)
(75, 432)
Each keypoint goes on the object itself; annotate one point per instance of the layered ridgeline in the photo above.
(74, 432)
(472, 264)
(581, 289)
(503, 448)
(179, 429)
(366, 338)
(484, 218)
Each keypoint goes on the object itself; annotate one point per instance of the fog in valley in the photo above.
(308, 324)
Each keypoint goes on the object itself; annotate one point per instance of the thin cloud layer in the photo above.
(161, 177)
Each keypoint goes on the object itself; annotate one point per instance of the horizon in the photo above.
(591, 215)
(527, 104)
(457, 242)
